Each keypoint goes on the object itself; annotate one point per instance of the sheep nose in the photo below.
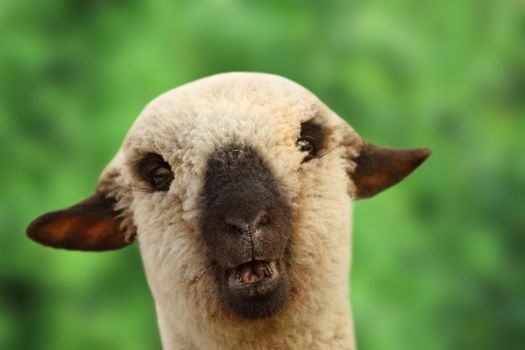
(247, 224)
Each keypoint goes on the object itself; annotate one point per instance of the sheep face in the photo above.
(239, 190)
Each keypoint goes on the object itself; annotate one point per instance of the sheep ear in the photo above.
(378, 168)
(92, 225)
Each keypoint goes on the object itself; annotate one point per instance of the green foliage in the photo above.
(438, 260)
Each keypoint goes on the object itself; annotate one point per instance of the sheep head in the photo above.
(239, 188)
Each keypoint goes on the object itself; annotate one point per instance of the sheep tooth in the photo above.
(267, 270)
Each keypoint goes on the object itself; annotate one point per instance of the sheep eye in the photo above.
(306, 145)
(154, 170)
(311, 140)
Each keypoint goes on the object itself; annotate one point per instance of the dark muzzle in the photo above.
(245, 222)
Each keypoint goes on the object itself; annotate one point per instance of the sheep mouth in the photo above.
(253, 273)
(255, 289)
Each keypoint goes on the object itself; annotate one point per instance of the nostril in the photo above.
(237, 228)
(246, 224)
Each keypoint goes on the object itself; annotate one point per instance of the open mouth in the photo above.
(253, 278)
(255, 289)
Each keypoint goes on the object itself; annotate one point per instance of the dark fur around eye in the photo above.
(155, 171)
(315, 135)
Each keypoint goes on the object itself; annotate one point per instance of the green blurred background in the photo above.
(438, 261)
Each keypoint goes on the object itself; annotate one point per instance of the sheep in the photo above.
(238, 188)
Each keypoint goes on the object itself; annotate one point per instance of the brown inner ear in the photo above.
(379, 168)
(91, 225)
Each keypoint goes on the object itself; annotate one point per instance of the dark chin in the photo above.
(258, 306)
(255, 301)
